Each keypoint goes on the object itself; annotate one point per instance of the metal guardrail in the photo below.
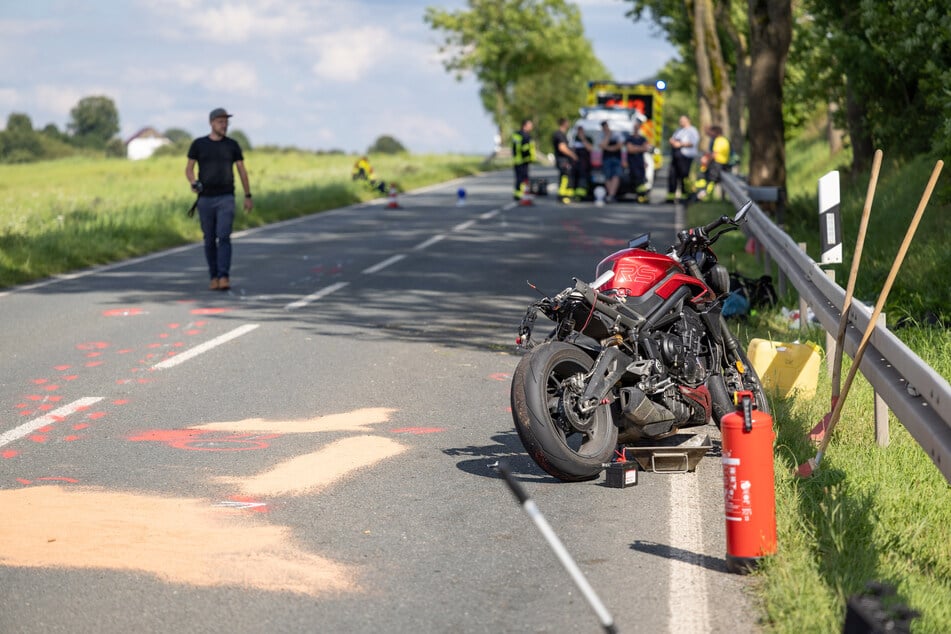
(919, 397)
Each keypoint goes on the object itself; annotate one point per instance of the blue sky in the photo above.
(316, 74)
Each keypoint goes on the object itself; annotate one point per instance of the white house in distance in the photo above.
(143, 143)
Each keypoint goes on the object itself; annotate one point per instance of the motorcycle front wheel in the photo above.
(564, 443)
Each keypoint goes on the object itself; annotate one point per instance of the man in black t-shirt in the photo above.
(565, 159)
(215, 155)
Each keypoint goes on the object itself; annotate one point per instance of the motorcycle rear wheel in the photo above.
(570, 450)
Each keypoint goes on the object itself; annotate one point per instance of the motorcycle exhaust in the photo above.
(643, 412)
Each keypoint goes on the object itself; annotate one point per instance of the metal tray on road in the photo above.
(679, 453)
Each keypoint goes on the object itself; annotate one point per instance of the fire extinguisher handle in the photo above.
(747, 413)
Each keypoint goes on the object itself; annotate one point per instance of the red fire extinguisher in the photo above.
(749, 493)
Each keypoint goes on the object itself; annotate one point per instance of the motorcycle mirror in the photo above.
(741, 214)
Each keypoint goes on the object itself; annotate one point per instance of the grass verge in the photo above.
(870, 513)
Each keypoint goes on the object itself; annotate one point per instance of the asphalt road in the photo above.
(311, 451)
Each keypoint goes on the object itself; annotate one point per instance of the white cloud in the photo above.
(347, 55)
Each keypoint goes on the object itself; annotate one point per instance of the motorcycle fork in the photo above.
(608, 369)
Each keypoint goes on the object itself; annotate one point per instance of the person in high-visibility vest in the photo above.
(713, 163)
(565, 158)
(363, 171)
(523, 155)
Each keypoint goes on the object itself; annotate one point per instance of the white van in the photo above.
(620, 121)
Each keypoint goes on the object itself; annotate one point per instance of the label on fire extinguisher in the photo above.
(736, 492)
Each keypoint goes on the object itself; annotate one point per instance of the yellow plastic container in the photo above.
(785, 368)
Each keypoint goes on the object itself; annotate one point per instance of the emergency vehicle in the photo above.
(621, 104)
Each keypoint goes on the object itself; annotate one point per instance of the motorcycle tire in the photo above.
(549, 437)
(722, 395)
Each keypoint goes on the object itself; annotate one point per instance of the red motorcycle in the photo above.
(638, 354)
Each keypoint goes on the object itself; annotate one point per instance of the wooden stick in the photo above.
(807, 468)
(819, 431)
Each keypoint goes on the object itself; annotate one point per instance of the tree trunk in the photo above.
(713, 79)
(770, 36)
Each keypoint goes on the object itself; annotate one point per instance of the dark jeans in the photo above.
(679, 170)
(521, 176)
(216, 214)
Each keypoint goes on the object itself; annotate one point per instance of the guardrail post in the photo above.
(803, 306)
(831, 342)
(881, 408)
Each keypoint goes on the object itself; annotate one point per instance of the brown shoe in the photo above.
(223, 284)
(214, 286)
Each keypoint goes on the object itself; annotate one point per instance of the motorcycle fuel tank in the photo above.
(638, 272)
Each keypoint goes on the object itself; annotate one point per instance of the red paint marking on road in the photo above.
(45, 408)
(203, 440)
(178, 344)
(61, 368)
(26, 412)
(143, 381)
(34, 397)
(23, 481)
(124, 351)
(59, 479)
(40, 381)
(70, 377)
(122, 312)
(500, 376)
(418, 430)
(93, 355)
(154, 345)
(38, 438)
(173, 325)
(71, 437)
(53, 398)
(45, 429)
(243, 503)
(80, 426)
(21, 405)
(10, 453)
(51, 388)
(210, 311)
(95, 415)
(92, 345)
(120, 401)
(93, 364)
(164, 335)
(192, 332)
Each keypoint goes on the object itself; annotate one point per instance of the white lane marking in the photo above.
(429, 243)
(463, 226)
(56, 416)
(315, 296)
(686, 572)
(490, 214)
(385, 263)
(204, 347)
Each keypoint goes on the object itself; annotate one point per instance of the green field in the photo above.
(59, 216)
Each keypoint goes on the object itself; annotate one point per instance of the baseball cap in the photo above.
(218, 112)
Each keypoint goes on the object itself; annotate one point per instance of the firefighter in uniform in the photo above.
(713, 163)
(565, 158)
(523, 155)
(638, 150)
(581, 169)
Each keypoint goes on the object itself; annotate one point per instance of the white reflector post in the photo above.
(830, 227)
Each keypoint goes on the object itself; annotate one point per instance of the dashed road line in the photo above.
(315, 296)
(429, 243)
(204, 347)
(55, 416)
(385, 263)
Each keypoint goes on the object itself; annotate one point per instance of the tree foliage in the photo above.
(93, 122)
(386, 144)
(530, 57)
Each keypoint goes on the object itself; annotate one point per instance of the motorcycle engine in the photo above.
(680, 348)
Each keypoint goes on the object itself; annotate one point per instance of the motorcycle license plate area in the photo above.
(679, 453)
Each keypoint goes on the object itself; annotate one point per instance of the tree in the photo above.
(93, 121)
(19, 143)
(518, 51)
(770, 36)
(178, 135)
(386, 145)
